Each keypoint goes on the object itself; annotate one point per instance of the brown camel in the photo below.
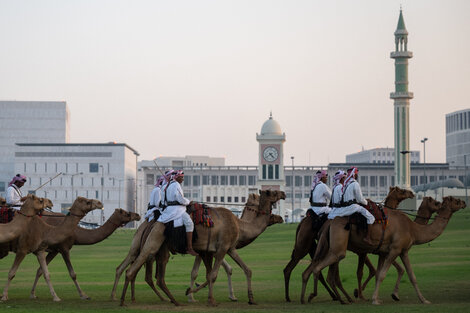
(399, 236)
(31, 207)
(39, 236)
(305, 243)
(137, 241)
(81, 236)
(214, 242)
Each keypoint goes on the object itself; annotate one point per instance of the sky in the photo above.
(176, 78)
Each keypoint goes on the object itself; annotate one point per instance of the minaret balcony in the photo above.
(401, 54)
(401, 95)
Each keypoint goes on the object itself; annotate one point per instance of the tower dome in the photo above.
(271, 127)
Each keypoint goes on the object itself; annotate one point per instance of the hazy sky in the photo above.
(200, 77)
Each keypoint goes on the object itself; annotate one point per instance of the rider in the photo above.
(13, 194)
(320, 194)
(353, 201)
(175, 210)
(337, 192)
(155, 197)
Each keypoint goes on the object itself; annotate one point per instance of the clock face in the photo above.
(270, 154)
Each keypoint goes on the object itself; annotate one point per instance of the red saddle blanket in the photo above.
(201, 214)
(378, 211)
(6, 214)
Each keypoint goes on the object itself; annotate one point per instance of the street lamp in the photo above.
(71, 182)
(424, 166)
(292, 182)
(102, 190)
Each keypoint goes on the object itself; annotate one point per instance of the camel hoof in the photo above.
(192, 301)
(85, 297)
(233, 299)
(302, 301)
(356, 293)
(122, 303)
(288, 300)
(395, 297)
(310, 297)
(33, 297)
(56, 300)
(212, 304)
(426, 302)
(188, 291)
(4, 298)
(177, 304)
(377, 302)
(252, 303)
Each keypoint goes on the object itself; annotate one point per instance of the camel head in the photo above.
(268, 198)
(34, 205)
(275, 219)
(454, 204)
(253, 200)
(400, 194)
(430, 204)
(3, 201)
(122, 217)
(81, 206)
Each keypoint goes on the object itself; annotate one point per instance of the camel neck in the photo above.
(251, 226)
(57, 234)
(426, 233)
(91, 236)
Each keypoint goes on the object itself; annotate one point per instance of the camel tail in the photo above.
(323, 245)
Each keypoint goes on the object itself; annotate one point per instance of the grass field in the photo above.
(442, 268)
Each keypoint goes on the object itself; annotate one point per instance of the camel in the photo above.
(81, 236)
(252, 202)
(305, 243)
(31, 207)
(212, 242)
(39, 236)
(399, 236)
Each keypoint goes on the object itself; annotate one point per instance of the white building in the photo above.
(378, 155)
(458, 138)
(106, 172)
(32, 122)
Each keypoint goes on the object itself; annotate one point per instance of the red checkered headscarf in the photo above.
(336, 179)
(160, 181)
(18, 178)
(318, 176)
(351, 173)
(177, 174)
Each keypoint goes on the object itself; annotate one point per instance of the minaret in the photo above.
(401, 101)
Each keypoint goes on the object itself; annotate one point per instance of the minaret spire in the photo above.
(401, 101)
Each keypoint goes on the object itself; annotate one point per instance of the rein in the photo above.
(19, 212)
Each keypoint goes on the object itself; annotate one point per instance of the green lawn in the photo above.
(442, 268)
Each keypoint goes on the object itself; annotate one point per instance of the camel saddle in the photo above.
(317, 220)
(378, 211)
(6, 214)
(200, 214)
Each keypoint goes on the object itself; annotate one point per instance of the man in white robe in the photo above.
(337, 191)
(175, 208)
(155, 197)
(320, 194)
(353, 201)
(13, 193)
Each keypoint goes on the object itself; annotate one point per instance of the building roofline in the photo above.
(77, 145)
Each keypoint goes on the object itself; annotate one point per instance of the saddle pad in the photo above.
(379, 212)
(200, 214)
(6, 214)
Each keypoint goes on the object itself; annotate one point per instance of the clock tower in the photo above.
(271, 156)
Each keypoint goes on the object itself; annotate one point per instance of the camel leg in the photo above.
(162, 260)
(234, 255)
(406, 261)
(400, 272)
(73, 275)
(42, 261)
(219, 256)
(295, 258)
(119, 270)
(207, 258)
(152, 245)
(334, 282)
(149, 278)
(194, 272)
(11, 274)
(228, 270)
(50, 256)
(321, 279)
(305, 277)
(339, 283)
(382, 269)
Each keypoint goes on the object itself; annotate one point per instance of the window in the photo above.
(2, 186)
(215, 199)
(298, 181)
(45, 168)
(96, 194)
(93, 167)
(229, 199)
(205, 179)
(414, 180)
(222, 199)
(252, 180)
(422, 180)
(233, 180)
(288, 180)
(364, 181)
(298, 196)
(149, 179)
(307, 180)
(276, 171)
(270, 171)
(242, 180)
(243, 199)
(196, 180)
(393, 181)
(195, 195)
(224, 180)
(383, 181)
(264, 171)
(235, 199)
(373, 181)
(208, 199)
(214, 180)
(187, 180)
(432, 179)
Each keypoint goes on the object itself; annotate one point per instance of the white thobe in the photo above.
(353, 191)
(321, 194)
(13, 197)
(337, 194)
(176, 213)
(155, 197)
